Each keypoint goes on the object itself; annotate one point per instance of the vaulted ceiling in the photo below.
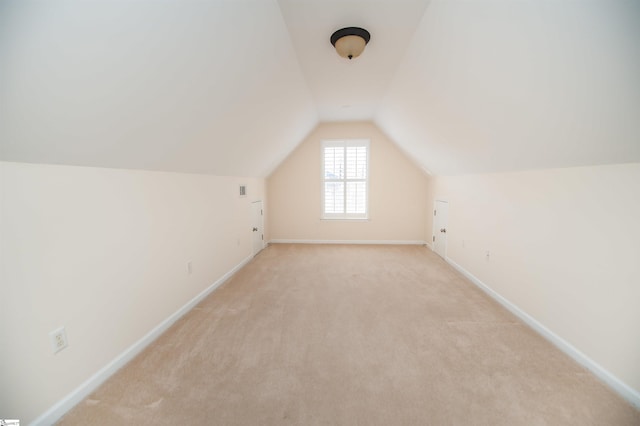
(231, 87)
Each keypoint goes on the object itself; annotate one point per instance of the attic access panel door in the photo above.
(257, 228)
(440, 218)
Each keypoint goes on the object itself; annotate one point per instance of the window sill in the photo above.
(344, 219)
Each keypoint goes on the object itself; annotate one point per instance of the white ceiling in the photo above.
(188, 86)
(346, 90)
(497, 85)
(231, 87)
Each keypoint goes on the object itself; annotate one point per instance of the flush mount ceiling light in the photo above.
(350, 42)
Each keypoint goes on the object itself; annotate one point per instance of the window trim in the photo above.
(353, 217)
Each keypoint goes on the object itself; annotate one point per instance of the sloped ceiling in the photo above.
(180, 85)
(497, 85)
(231, 87)
(345, 90)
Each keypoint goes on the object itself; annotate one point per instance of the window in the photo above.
(345, 179)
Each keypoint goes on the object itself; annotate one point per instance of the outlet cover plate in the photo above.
(58, 339)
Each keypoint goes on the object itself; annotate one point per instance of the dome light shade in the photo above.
(350, 42)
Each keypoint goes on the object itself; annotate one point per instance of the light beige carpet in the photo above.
(351, 335)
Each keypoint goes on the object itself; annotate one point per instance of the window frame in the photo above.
(344, 143)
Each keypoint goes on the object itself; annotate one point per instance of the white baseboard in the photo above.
(624, 390)
(58, 410)
(378, 242)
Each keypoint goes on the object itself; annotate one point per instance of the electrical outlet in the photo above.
(58, 339)
(189, 268)
(488, 254)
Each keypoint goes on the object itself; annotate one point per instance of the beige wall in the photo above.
(103, 252)
(564, 247)
(397, 202)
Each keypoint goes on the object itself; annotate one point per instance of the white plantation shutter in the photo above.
(345, 172)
